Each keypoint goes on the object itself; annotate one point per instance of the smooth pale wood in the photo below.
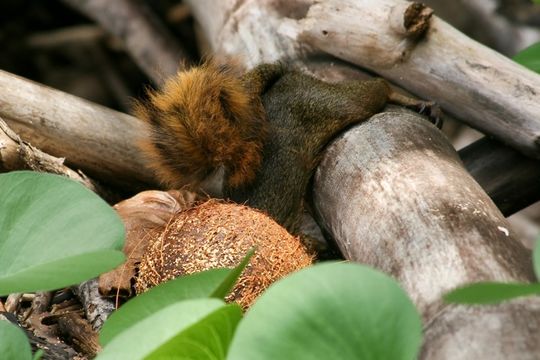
(393, 194)
(248, 30)
(93, 138)
(15, 154)
(476, 84)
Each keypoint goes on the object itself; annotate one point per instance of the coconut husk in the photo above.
(145, 215)
(217, 234)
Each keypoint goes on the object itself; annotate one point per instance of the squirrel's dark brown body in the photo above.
(304, 114)
(267, 128)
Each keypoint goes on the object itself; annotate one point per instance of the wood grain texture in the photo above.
(393, 194)
(93, 138)
(474, 83)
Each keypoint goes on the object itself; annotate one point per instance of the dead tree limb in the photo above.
(150, 44)
(16, 154)
(402, 42)
(393, 194)
(95, 139)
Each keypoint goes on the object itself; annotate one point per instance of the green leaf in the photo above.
(201, 326)
(208, 339)
(536, 259)
(490, 292)
(330, 311)
(14, 344)
(54, 232)
(530, 57)
(216, 283)
(38, 354)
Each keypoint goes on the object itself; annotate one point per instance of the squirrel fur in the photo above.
(266, 128)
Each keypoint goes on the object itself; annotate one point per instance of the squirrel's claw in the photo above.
(433, 111)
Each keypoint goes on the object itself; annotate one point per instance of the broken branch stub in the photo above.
(393, 194)
(478, 85)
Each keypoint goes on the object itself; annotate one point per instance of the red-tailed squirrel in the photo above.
(266, 128)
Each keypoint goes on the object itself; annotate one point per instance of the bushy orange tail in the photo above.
(200, 120)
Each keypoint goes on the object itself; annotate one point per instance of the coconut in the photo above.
(217, 234)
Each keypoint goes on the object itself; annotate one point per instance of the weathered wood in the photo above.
(481, 20)
(15, 154)
(96, 307)
(511, 179)
(51, 351)
(474, 83)
(149, 43)
(505, 331)
(393, 194)
(98, 140)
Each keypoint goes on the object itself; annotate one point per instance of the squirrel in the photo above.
(266, 128)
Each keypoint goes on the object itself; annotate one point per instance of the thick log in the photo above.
(15, 154)
(474, 83)
(508, 177)
(393, 194)
(93, 138)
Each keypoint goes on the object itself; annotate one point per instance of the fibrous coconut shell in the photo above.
(216, 234)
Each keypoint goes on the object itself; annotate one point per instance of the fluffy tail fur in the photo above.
(200, 120)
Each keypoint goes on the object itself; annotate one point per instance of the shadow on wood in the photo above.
(508, 177)
(393, 194)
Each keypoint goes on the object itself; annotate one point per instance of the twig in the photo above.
(150, 44)
(12, 302)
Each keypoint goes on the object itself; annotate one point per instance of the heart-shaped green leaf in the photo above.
(190, 329)
(53, 232)
(13, 342)
(330, 311)
(216, 283)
